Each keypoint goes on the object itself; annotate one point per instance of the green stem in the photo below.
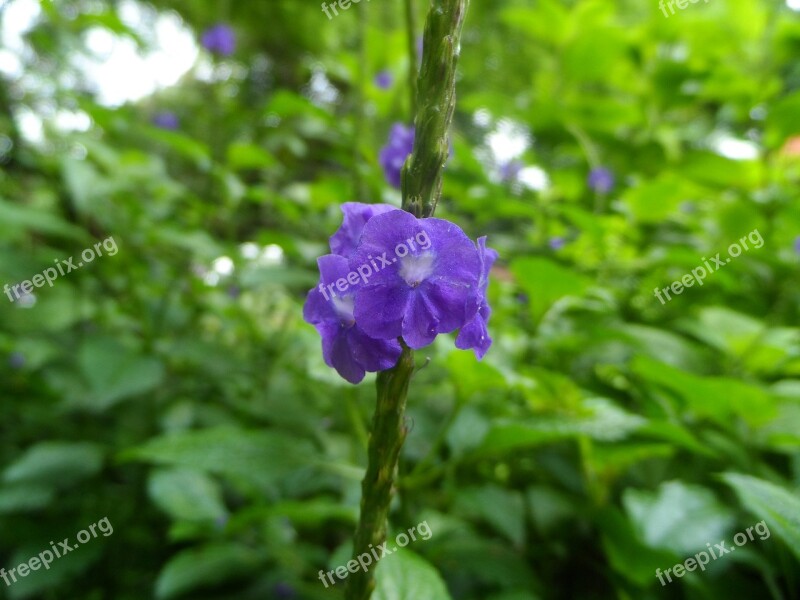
(360, 116)
(422, 184)
(436, 101)
(385, 442)
(411, 32)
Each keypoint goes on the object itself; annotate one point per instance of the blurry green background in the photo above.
(175, 389)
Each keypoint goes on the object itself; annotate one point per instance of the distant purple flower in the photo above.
(283, 591)
(393, 155)
(421, 289)
(166, 120)
(510, 171)
(219, 39)
(356, 215)
(345, 346)
(601, 180)
(475, 334)
(797, 244)
(384, 80)
(16, 361)
(556, 243)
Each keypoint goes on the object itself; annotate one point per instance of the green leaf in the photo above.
(775, 505)
(114, 373)
(490, 562)
(82, 182)
(724, 329)
(613, 459)
(657, 200)
(626, 553)
(63, 570)
(603, 421)
(56, 464)
(467, 431)
(262, 457)
(183, 145)
(548, 22)
(547, 282)
(503, 509)
(314, 513)
(783, 120)
(592, 56)
(678, 516)
(406, 576)
(25, 498)
(471, 375)
(715, 170)
(14, 218)
(717, 398)
(186, 494)
(248, 156)
(207, 566)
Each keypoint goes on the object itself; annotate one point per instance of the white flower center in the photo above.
(343, 305)
(416, 269)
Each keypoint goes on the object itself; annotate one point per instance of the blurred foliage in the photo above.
(174, 388)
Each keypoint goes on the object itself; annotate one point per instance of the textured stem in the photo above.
(422, 182)
(360, 114)
(411, 33)
(436, 101)
(386, 440)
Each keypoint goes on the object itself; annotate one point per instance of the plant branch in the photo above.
(386, 440)
(436, 101)
(422, 182)
(411, 32)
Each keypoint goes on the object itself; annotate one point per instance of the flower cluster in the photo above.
(393, 155)
(384, 80)
(419, 290)
(166, 120)
(601, 180)
(219, 39)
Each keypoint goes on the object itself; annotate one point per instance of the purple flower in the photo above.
(384, 80)
(395, 152)
(16, 361)
(475, 334)
(427, 281)
(284, 591)
(797, 244)
(345, 346)
(601, 180)
(556, 243)
(219, 39)
(510, 170)
(356, 215)
(166, 120)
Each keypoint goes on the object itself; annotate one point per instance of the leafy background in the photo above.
(175, 389)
